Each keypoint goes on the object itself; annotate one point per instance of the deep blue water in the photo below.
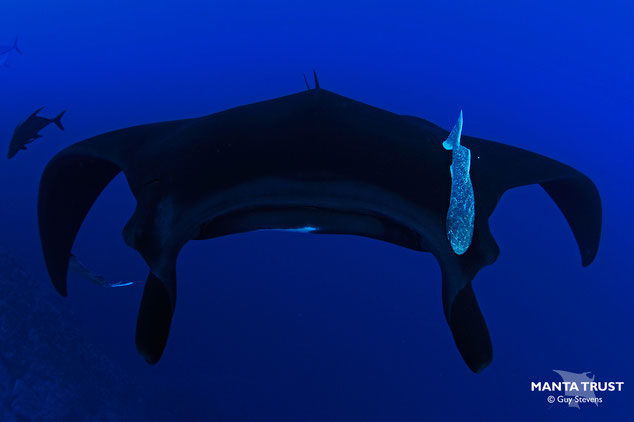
(285, 326)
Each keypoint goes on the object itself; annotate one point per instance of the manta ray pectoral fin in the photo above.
(496, 168)
(575, 194)
(70, 184)
(155, 316)
(579, 201)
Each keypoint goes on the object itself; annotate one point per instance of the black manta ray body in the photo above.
(312, 160)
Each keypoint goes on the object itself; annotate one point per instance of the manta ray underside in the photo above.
(313, 160)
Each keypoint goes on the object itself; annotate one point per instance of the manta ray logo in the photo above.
(576, 388)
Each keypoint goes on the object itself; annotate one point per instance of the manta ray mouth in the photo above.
(313, 220)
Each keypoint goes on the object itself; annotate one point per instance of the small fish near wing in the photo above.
(80, 269)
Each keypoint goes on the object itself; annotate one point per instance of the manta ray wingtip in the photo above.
(69, 185)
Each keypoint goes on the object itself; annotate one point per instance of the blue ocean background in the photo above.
(273, 326)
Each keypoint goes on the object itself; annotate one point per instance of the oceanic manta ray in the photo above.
(315, 162)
